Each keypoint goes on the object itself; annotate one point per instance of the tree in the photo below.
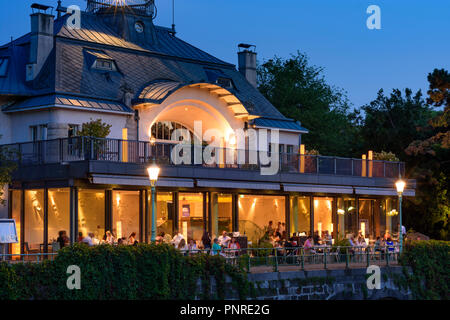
(95, 128)
(299, 91)
(430, 160)
(390, 122)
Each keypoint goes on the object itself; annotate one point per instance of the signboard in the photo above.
(186, 210)
(8, 231)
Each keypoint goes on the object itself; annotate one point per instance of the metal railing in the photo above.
(30, 257)
(317, 257)
(129, 151)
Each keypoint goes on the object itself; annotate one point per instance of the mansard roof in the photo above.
(68, 72)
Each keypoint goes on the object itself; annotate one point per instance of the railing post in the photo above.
(92, 149)
(276, 260)
(387, 256)
(317, 164)
(82, 148)
(325, 258)
(119, 151)
(303, 259)
(368, 256)
(384, 169)
(346, 258)
(335, 166)
(353, 167)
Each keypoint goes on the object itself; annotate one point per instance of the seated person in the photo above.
(132, 239)
(224, 239)
(176, 239)
(216, 248)
(308, 245)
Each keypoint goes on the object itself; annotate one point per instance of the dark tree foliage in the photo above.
(6, 169)
(299, 91)
(95, 128)
(390, 122)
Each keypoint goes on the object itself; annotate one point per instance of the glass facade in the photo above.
(323, 216)
(91, 212)
(346, 217)
(221, 213)
(34, 221)
(191, 223)
(373, 217)
(392, 219)
(255, 213)
(165, 213)
(16, 208)
(58, 213)
(300, 216)
(126, 214)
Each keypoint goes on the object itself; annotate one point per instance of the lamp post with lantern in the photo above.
(400, 185)
(153, 173)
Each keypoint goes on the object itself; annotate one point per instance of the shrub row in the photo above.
(122, 272)
(426, 269)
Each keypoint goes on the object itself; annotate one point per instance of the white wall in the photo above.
(4, 208)
(5, 128)
(21, 122)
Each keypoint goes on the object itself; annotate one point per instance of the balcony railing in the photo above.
(127, 151)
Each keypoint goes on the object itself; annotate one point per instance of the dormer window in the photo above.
(99, 60)
(225, 83)
(4, 62)
(103, 64)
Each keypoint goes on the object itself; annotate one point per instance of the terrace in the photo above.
(66, 150)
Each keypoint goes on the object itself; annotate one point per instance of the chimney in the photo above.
(247, 62)
(41, 43)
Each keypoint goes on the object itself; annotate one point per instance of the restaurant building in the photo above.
(145, 82)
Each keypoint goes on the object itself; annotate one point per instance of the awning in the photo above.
(237, 185)
(317, 189)
(383, 192)
(141, 181)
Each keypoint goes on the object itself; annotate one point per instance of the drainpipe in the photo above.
(137, 118)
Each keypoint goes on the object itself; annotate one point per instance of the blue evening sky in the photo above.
(413, 40)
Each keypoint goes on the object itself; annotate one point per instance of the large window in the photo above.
(221, 215)
(392, 219)
(91, 212)
(126, 213)
(165, 213)
(58, 213)
(323, 216)
(347, 218)
(300, 215)
(34, 221)
(255, 213)
(163, 130)
(15, 214)
(190, 215)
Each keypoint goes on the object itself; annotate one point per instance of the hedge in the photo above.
(426, 269)
(122, 273)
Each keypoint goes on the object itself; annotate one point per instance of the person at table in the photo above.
(387, 235)
(234, 245)
(216, 248)
(177, 238)
(270, 229)
(88, 239)
(308, 245)
(132, 239)
(192, 246)
(316, 238)
(109, 238)
(206, 240)
(378, 245)
(63, 239)
(80, 236)
(224, 239)
(182, 246)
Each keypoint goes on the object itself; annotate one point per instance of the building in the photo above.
(145, 82)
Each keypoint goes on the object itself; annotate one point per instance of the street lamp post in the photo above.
(153, 173)
(400, 185)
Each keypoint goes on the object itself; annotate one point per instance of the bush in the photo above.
(429, 263)
(144, 271)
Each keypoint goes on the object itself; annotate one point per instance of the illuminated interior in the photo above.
(323, 216)
(91, 212)
(190, 215)
(221, 215)
(58, 213)
(300, 215)
(125, 214)
(346, 216)
(34, 221)
(255, 212)
(15, 214)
